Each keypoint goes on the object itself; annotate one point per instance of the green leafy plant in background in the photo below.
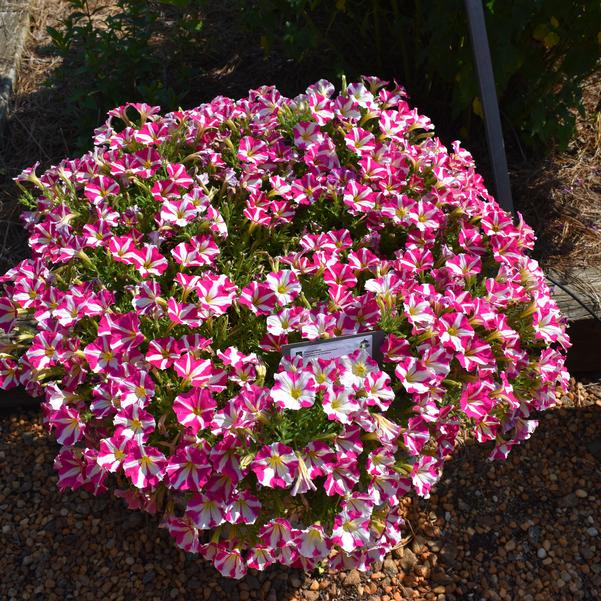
(542, 52)
(126, 50)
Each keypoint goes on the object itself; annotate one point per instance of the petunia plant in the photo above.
(172, 266)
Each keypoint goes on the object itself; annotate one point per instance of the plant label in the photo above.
(339, 346)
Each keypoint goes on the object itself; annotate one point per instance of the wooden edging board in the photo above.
(14, 25)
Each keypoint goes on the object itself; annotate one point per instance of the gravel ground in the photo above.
(524, 529)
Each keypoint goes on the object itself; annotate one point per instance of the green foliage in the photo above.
(131, 50)
(542, 50)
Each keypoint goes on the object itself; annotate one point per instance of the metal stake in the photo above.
(492, 120)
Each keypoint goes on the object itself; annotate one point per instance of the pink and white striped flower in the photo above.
(133, 423)
(259, 298)
(312, 542)
(276, 533)
(350, 531)
(359, 198)
(178, 212)
(414, 375)
(162, 352)
(100, 188)
(416, 435)
(69, 426)
(293, 390)
(144, 466)
(184, 532)
(343, 476)
(195, 409)
(148, 261)
(199, 373)
(205, 512)
(285, 285)
(275, 465)
(113, 452)
(188, 469)
(215, 294)
(340, 404)
(454, 331)
(426, 472)
(260, 557)
(243, 509)
(230, 564)
(252, 150)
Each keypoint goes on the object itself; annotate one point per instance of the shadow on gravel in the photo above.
(527, 528)
(479, 536)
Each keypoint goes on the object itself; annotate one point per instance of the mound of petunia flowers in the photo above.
(172, 264)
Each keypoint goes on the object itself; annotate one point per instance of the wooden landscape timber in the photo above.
(583, 283)
(584, 330)
(14, 24)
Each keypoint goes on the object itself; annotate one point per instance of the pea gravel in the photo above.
(525, 529)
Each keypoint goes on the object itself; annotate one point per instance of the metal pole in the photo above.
(488, 93)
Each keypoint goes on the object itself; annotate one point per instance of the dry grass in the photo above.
(561, 197)
(35, 125)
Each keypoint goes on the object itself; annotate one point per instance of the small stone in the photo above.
(295, 581)
(510, 545)
(581, 494)
(541, 553)
(314, 585)
(570, 500)
(310, 596)
(408, 560)
(148, 577)
(390, 567)
(534, 534)
(594, 447)
(353, 578)
(592, 531)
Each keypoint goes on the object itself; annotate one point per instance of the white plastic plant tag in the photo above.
(339, 346)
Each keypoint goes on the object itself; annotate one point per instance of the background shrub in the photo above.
(542, 50)
(131, 49)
